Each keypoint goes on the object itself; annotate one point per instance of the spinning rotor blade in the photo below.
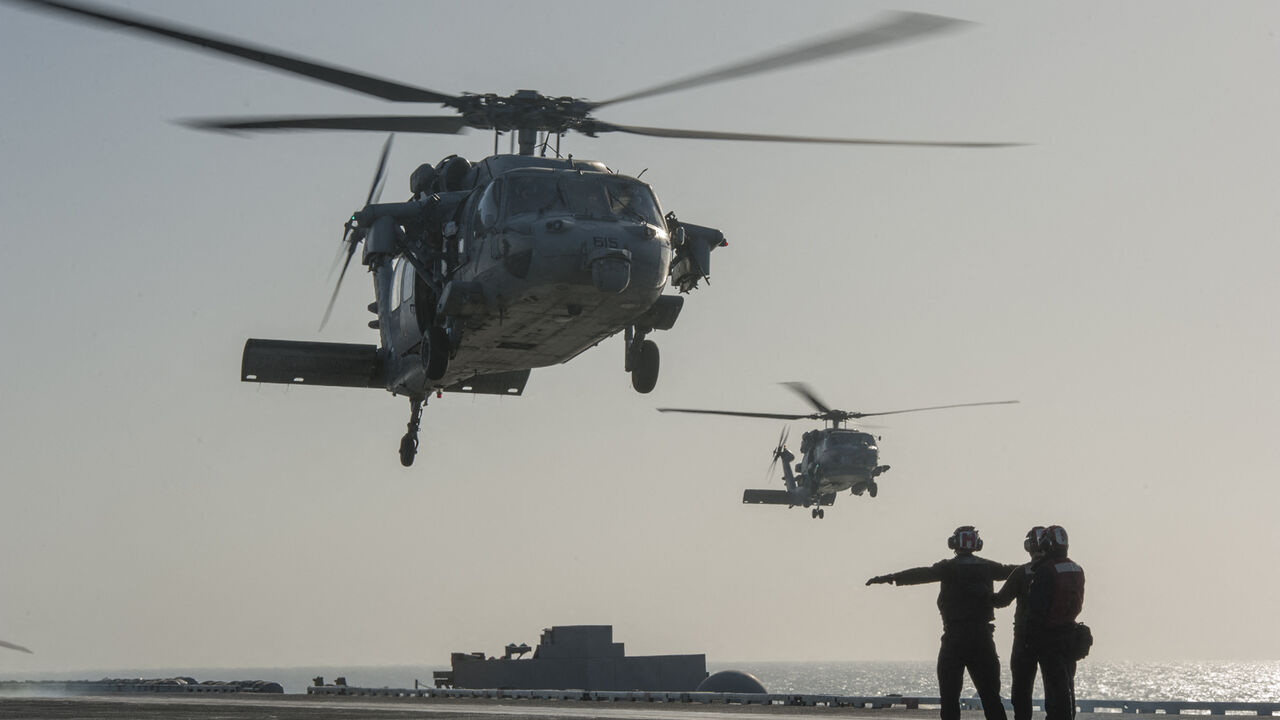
(442, 124)
(378, 175)
(598, 126)
(361, 83)
(806, 392)
(328, 310)
(349, 240)
(936, 407)
(11, 646)
(896, 28)
(770, 416)
(777, 452)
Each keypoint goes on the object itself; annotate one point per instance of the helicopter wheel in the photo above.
(872, 489)
(644, 367)
(408, 449)
(409, 443)
(435, 352)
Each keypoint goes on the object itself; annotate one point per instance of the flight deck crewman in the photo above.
(1055, 600)
(1022, 659)
(965, 601)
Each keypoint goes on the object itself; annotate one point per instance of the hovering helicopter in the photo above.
(835, 458)
(513, 262)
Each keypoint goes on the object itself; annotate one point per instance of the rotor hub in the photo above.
(525, 110)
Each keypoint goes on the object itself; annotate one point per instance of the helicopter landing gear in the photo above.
(644, 372)
(817, 513)
(642, 361)
(409, 443)
(435, 352)
(872, 489)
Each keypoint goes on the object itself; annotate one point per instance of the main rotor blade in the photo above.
(12, 646)
(599, 126)
(351, 80)
(806, 392)
(440, 124)
(771, 416)
(895, 28)
(936, 407)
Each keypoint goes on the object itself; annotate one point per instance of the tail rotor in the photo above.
(778, 451)
(353, 231)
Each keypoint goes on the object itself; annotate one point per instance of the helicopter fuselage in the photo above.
(551, 262)
(835, 460)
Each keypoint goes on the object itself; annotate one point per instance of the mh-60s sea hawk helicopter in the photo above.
(513, 262)
(835, 458)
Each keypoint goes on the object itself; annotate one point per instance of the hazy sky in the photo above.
(1118, 276)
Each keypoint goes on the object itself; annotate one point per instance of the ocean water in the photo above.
(1190, 681)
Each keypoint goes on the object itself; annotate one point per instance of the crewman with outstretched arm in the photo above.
(965, 601)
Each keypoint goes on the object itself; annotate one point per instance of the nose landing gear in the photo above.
(642, 360)
(409, 443)
(817, 513)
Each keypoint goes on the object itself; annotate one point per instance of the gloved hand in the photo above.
(879, 579)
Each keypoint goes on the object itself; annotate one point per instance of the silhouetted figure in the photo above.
(1054, 600)
(964, 600)
(1022, 659)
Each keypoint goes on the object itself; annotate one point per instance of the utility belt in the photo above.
(967, 630)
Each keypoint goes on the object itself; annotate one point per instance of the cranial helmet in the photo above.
(965, 539)
(1032, 543)
(1053, 539)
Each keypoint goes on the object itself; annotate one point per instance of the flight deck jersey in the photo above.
(1057, 594)
(967, 587)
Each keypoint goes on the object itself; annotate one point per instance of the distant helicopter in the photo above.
(835, 458)
(513, 262)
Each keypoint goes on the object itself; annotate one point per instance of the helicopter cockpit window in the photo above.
(406, 283)
(853, 439)
(630, 199)
(397, 282)
(487, 208)
(583, 196)
(531, 194)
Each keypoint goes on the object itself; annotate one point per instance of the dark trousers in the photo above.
(1058, 672)
(969, 648)
(1022, 666)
